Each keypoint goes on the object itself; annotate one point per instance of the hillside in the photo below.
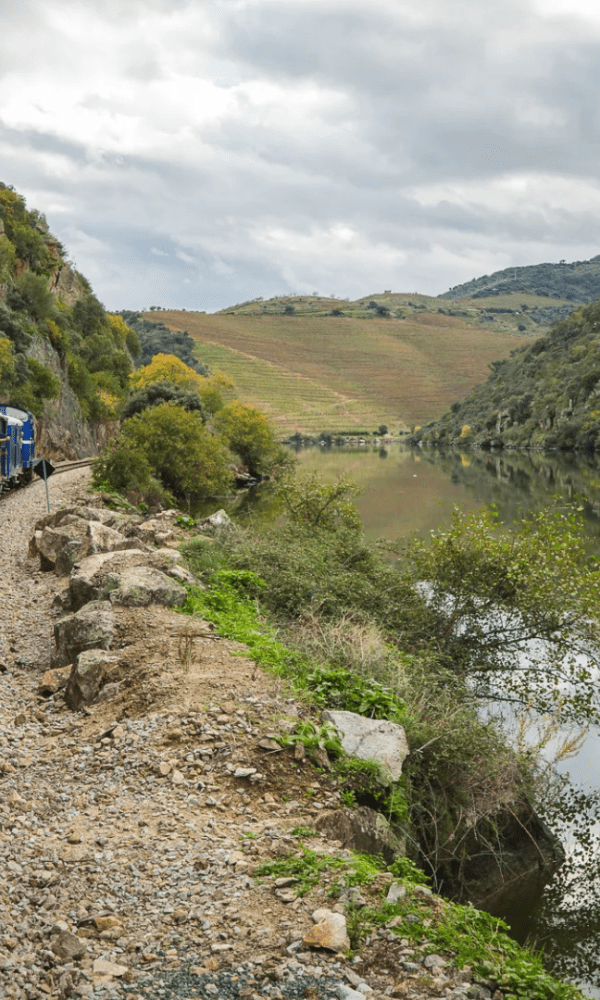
(61, 355)
(547, 395)
(514, 312)
(578, 281)
(313, 371)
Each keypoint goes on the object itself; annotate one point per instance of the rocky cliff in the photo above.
(62, 356)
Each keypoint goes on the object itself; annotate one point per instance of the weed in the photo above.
(407, 871)
(185, 650)
(304, 831)
(313, 738)
(185, 521)
(348, 798)
(364, 869)
(308, 867)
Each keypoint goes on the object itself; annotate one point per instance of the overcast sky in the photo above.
(197, 153)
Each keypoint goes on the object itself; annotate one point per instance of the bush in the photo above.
(249, 434)
(176, 449)
(161, 392)
(32, 295)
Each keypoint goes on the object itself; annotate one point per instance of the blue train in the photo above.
(17, 446)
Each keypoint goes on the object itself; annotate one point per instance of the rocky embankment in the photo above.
(142, 786)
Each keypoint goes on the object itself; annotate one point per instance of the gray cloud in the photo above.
(199, 153)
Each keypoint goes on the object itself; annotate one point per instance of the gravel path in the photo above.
(127, 844)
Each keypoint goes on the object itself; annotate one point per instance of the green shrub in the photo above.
(175, 447)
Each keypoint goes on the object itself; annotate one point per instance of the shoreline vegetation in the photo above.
(329, 615)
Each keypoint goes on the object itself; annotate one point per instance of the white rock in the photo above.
(372, 739)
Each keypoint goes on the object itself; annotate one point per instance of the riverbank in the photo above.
(136, 860)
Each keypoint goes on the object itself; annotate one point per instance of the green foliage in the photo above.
(93, 346)
(31, 294)
(8, 259)
(228, 605)
(307, 866)
(407, 871)
(517, 610)
(313, 737)
(544, 396)
(342, 689)
(313, 504)
(161, 392)
(248, 434)
(174, 446)
(154, 338)
(28, 381)
(577, 282)
(303, 832)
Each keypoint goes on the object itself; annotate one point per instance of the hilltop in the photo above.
(315, 365)
(547, 395)
(578, 281)
(320, 364)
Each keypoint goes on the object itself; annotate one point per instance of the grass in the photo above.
(464, 935)
(312, 373)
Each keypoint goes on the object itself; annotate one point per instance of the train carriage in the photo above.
(17, 448)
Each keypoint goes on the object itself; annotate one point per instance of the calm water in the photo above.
(406, 491)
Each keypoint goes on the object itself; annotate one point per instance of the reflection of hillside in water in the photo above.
(515, 481)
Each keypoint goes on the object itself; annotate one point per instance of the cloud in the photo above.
(219, 151)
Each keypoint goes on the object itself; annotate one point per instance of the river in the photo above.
(415, 490)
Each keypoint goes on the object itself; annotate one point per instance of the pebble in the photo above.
(126, 869)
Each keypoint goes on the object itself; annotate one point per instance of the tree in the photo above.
(313, 504)
(175, 447)
(516, 612)
(249, 434)
(161, 392)
(31, 294)
(169, 368)
(7, 364)
(166, 368)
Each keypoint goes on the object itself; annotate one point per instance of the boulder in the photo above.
(169, 561)
(131, 577)
(372, 739)
(219, 521)
(61, 544)
(329, 932)
(60, 547)
(363, 830)
(58, 517)
(54, 680)
(92, 627)
(101, 538)
(91, 672)
(155, 532)
(143, 585)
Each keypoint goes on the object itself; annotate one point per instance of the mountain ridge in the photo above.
(578, 281)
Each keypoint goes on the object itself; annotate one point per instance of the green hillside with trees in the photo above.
(53, 330)
(546, 395)
(578, 281)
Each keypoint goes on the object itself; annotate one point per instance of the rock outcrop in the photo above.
(372, 739)
(364, 830)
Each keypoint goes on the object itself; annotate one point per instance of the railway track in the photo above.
(78, 463)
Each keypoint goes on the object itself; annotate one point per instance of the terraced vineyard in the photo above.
(314, 373)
